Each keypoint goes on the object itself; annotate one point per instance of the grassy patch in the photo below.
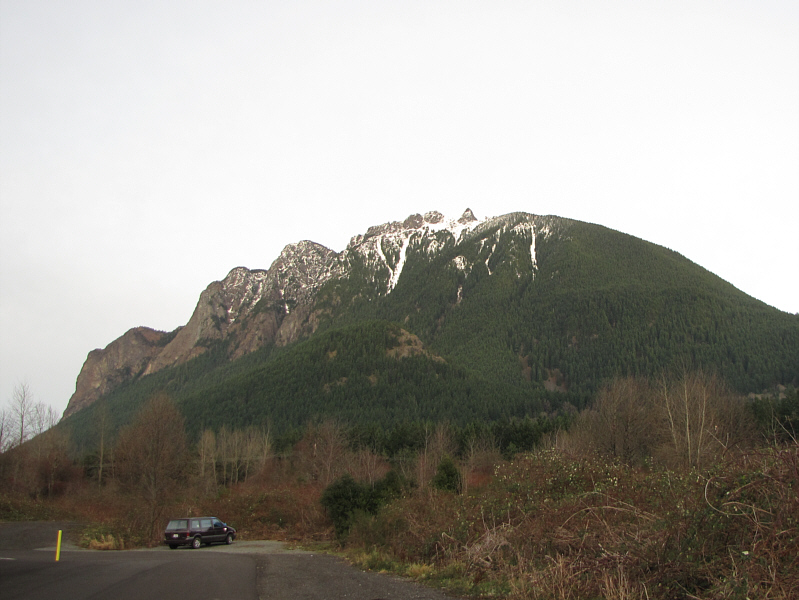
(24, 508)
(104, 536)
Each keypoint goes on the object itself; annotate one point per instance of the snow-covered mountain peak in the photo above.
(303, 256)
(457, 226)
(432, 221)
(385, 248)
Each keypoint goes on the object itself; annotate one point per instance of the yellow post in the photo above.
(58, 547)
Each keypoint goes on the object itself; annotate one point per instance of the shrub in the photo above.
(447, 477)
(344, 498)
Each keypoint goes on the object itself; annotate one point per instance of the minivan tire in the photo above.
(229, 539)
(196, 542)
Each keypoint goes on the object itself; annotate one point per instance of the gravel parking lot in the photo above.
(246, 569)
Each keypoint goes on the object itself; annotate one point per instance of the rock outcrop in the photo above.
(251, 308)
(123, 359)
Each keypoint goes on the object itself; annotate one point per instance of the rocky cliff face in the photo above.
(251, 308)
(254, 308)
(124, 358)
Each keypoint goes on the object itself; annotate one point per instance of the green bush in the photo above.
(344, 498)
(447, 477)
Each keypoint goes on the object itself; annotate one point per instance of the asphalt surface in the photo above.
(246, 570)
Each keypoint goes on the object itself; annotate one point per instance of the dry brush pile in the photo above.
(555, 526)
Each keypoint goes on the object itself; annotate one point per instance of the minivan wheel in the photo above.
(229, 539)
(196, 543)
(173, 546)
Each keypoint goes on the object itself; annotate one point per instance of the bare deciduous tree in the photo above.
(102, 425)
(235, 455)
(25, 417)
(151, 455)
(622, 420)
(367, 465)
(5, 430)
(255, 453)
(52, 450)
(702, 418)
(230, 454)
(438, 443)
(329, 447)
(480, 453)
(22, 411)
(206, 450)
(266, 445)
(43, 417)
(322, 454)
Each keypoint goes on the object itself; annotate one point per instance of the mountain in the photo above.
(250, 309)
(463, 318)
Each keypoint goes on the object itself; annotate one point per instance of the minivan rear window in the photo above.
(176, 524)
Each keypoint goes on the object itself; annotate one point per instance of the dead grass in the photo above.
(106, 542)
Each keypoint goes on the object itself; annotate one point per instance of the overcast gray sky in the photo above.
(146, 148)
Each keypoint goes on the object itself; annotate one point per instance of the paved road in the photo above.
(245, 570)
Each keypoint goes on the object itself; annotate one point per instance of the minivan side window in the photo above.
(205, 523)
(195, 523)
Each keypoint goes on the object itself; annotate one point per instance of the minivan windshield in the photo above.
(177, 524)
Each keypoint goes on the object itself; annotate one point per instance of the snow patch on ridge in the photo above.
(380, 253)
(400, 264)
(418, 229)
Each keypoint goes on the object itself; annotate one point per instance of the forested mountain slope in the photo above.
(503, 318)
(588, 302)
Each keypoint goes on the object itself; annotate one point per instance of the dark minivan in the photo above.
(197, 531)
